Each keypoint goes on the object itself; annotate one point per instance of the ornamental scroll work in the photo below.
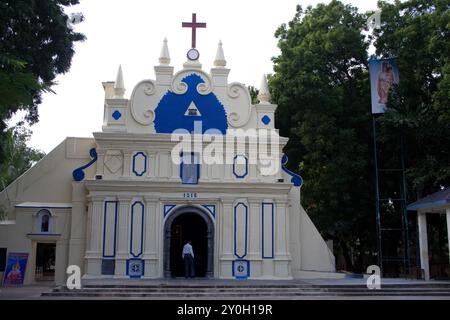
(144, 100)
(238, 104)
(179, 86)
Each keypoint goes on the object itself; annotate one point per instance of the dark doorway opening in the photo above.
(45, 261)
(188, 226)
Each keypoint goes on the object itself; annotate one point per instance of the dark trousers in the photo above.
(189, 266)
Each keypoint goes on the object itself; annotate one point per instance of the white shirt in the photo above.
(187, 249)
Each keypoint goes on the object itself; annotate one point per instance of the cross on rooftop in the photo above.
(194, 25)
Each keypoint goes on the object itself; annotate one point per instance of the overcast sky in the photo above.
(130, 32)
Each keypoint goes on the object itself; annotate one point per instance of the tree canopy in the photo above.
(36, 44)
(322, 88)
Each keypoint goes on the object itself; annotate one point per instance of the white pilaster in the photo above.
(227, 228)
(151, 233)
(123, 241)
(127, 163)
(255, 229)
(77, 240)
(151, 172)
(94, 255)
(100, 162)
(423, 243)
(281, 229)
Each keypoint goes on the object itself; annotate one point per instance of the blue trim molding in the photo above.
(137, 254)
(168, 208)
(296, 180)
(271, 256)
(234, 166)
(78, 174)
(211, 208)
(144, 170)
(246, 230)
(104, 229)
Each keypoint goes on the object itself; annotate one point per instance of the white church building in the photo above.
(119, 205)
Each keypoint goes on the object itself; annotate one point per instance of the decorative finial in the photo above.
(164, 57)
(119, 87)
(220, 57)
(264, 94)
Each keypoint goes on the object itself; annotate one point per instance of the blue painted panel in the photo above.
(167, 208)
(240, 175)
(137, 157)
(106, 216)
(271, 236)
(241, 269)
(116, 115)
(211, 208)
(78, 174)
(137, 208)
(135, 268)
(189, 169)
(265, 120)
(240, 252)
(296, 180)
(171, 109)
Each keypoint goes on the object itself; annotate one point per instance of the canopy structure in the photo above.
(438, 202)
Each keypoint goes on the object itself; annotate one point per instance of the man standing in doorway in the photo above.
(188, 256)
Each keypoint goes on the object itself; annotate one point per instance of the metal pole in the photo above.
(404, 202)
(377, 200)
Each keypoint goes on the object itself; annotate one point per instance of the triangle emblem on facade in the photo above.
(192, 110)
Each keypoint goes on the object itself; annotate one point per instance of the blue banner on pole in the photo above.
(383, 75)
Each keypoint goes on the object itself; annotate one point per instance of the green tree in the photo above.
(321, 88)
(417, 33)
(253, 94)
(18, 157)
(36, 44)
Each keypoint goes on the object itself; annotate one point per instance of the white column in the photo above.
(126, 163)
(123, 241)
(255, 229)
(423, 243)
(100, 162)
(448, 229)
(94, 254)
(151, 239)
(228, 173)
(151, 165)
(227, 228)
(77, 240)
(282, 253)
(96, 226)
(281, 229)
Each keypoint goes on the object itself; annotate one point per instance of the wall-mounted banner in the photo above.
(383, 74)
(15, 268)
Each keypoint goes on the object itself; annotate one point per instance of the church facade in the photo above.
(161, 172)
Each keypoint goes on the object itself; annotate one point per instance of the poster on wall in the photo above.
(383, 75)
(15, 268)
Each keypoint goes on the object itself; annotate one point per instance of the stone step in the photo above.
(274, 290)
(239, 294)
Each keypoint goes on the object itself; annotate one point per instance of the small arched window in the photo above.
(44, 221)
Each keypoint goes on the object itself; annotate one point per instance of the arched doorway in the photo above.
(183, 224)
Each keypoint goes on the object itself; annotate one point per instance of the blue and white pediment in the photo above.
(191, 93)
